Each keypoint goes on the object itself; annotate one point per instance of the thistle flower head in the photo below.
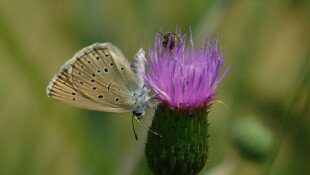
(184, 81)
(184, 78)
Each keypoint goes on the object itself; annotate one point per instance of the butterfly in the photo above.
(100, 78)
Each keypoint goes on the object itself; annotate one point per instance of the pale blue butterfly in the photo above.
(99, 77)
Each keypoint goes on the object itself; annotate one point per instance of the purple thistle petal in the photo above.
(185, 78)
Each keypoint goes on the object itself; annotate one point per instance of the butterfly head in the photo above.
(142, 101)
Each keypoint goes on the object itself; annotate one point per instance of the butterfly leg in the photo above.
(148, 129)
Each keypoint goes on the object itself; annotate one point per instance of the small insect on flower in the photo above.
(99, 77)
(169, 39)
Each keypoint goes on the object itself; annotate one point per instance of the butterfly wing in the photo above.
(101, 75)
(62, 90)
(123, 66)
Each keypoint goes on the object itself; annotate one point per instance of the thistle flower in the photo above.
(184, 81)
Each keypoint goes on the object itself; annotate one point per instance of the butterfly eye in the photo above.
(138, 114)
(117, 99)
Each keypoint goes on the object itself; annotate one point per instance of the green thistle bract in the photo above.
(183, 147)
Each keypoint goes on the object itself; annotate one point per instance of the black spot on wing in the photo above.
(109, 86)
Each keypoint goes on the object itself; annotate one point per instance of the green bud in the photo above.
(183, 147)
(252, 139)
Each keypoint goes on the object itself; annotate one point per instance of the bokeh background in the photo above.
(267, 44)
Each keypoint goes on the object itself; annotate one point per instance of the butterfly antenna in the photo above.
(133, 127)
(148, 129)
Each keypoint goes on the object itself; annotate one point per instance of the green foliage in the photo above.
(266, 42)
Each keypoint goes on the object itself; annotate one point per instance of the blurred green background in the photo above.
(267, 44)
